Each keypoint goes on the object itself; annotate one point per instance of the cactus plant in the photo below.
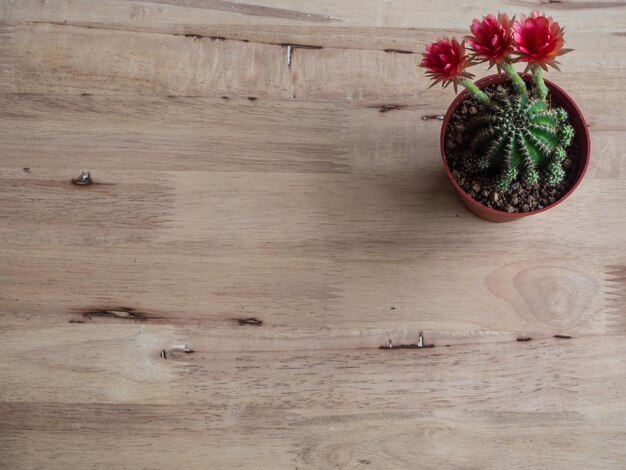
(516, 134)
(519, 136)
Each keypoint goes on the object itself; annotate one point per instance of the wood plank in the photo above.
(130, 62)
(317, 409)
(514, 297)
(195, 239)
(163, 14)
(187, 134)
(247, 366)
(360, 440)
(141, 133)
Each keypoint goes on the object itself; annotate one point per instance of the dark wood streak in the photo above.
(398, 51)
(249, 321)
(250, 10)
(419, 345)
(198, 36)
(389, 107)
(121, 313)
(567, 5)
(298, 46)
(407, 346)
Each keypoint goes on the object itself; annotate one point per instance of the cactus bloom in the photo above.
(538, 40)
(446, 61)
(492, 39)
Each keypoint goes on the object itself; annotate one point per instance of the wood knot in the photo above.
(121, 313)
(551, 293)
(83, 180)
(389, 107)
(249, 321)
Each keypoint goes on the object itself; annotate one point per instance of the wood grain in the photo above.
(268, 236)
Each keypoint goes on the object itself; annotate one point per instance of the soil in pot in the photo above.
(521, 196)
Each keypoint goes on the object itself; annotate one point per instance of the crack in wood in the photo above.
(407, 346)
(522, 339)
(398, 51)
(198, 36)
(419, 345)
(249, 321)
(562, 337)
(122, 313)
(390, 107)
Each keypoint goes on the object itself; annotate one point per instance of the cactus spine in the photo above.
(519, 136)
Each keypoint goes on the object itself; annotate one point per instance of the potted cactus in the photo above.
(512, 144)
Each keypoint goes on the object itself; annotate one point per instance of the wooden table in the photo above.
(266, 210)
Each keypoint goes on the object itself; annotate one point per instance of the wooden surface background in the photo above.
(258, 228)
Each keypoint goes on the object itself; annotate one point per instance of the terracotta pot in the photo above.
(560, 98)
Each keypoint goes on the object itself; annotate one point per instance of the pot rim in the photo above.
(503, 215)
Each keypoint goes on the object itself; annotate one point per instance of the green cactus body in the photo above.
(519, 136)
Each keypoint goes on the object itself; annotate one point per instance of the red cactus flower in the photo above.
(491, 39)
(538, 40)
(446, 61)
